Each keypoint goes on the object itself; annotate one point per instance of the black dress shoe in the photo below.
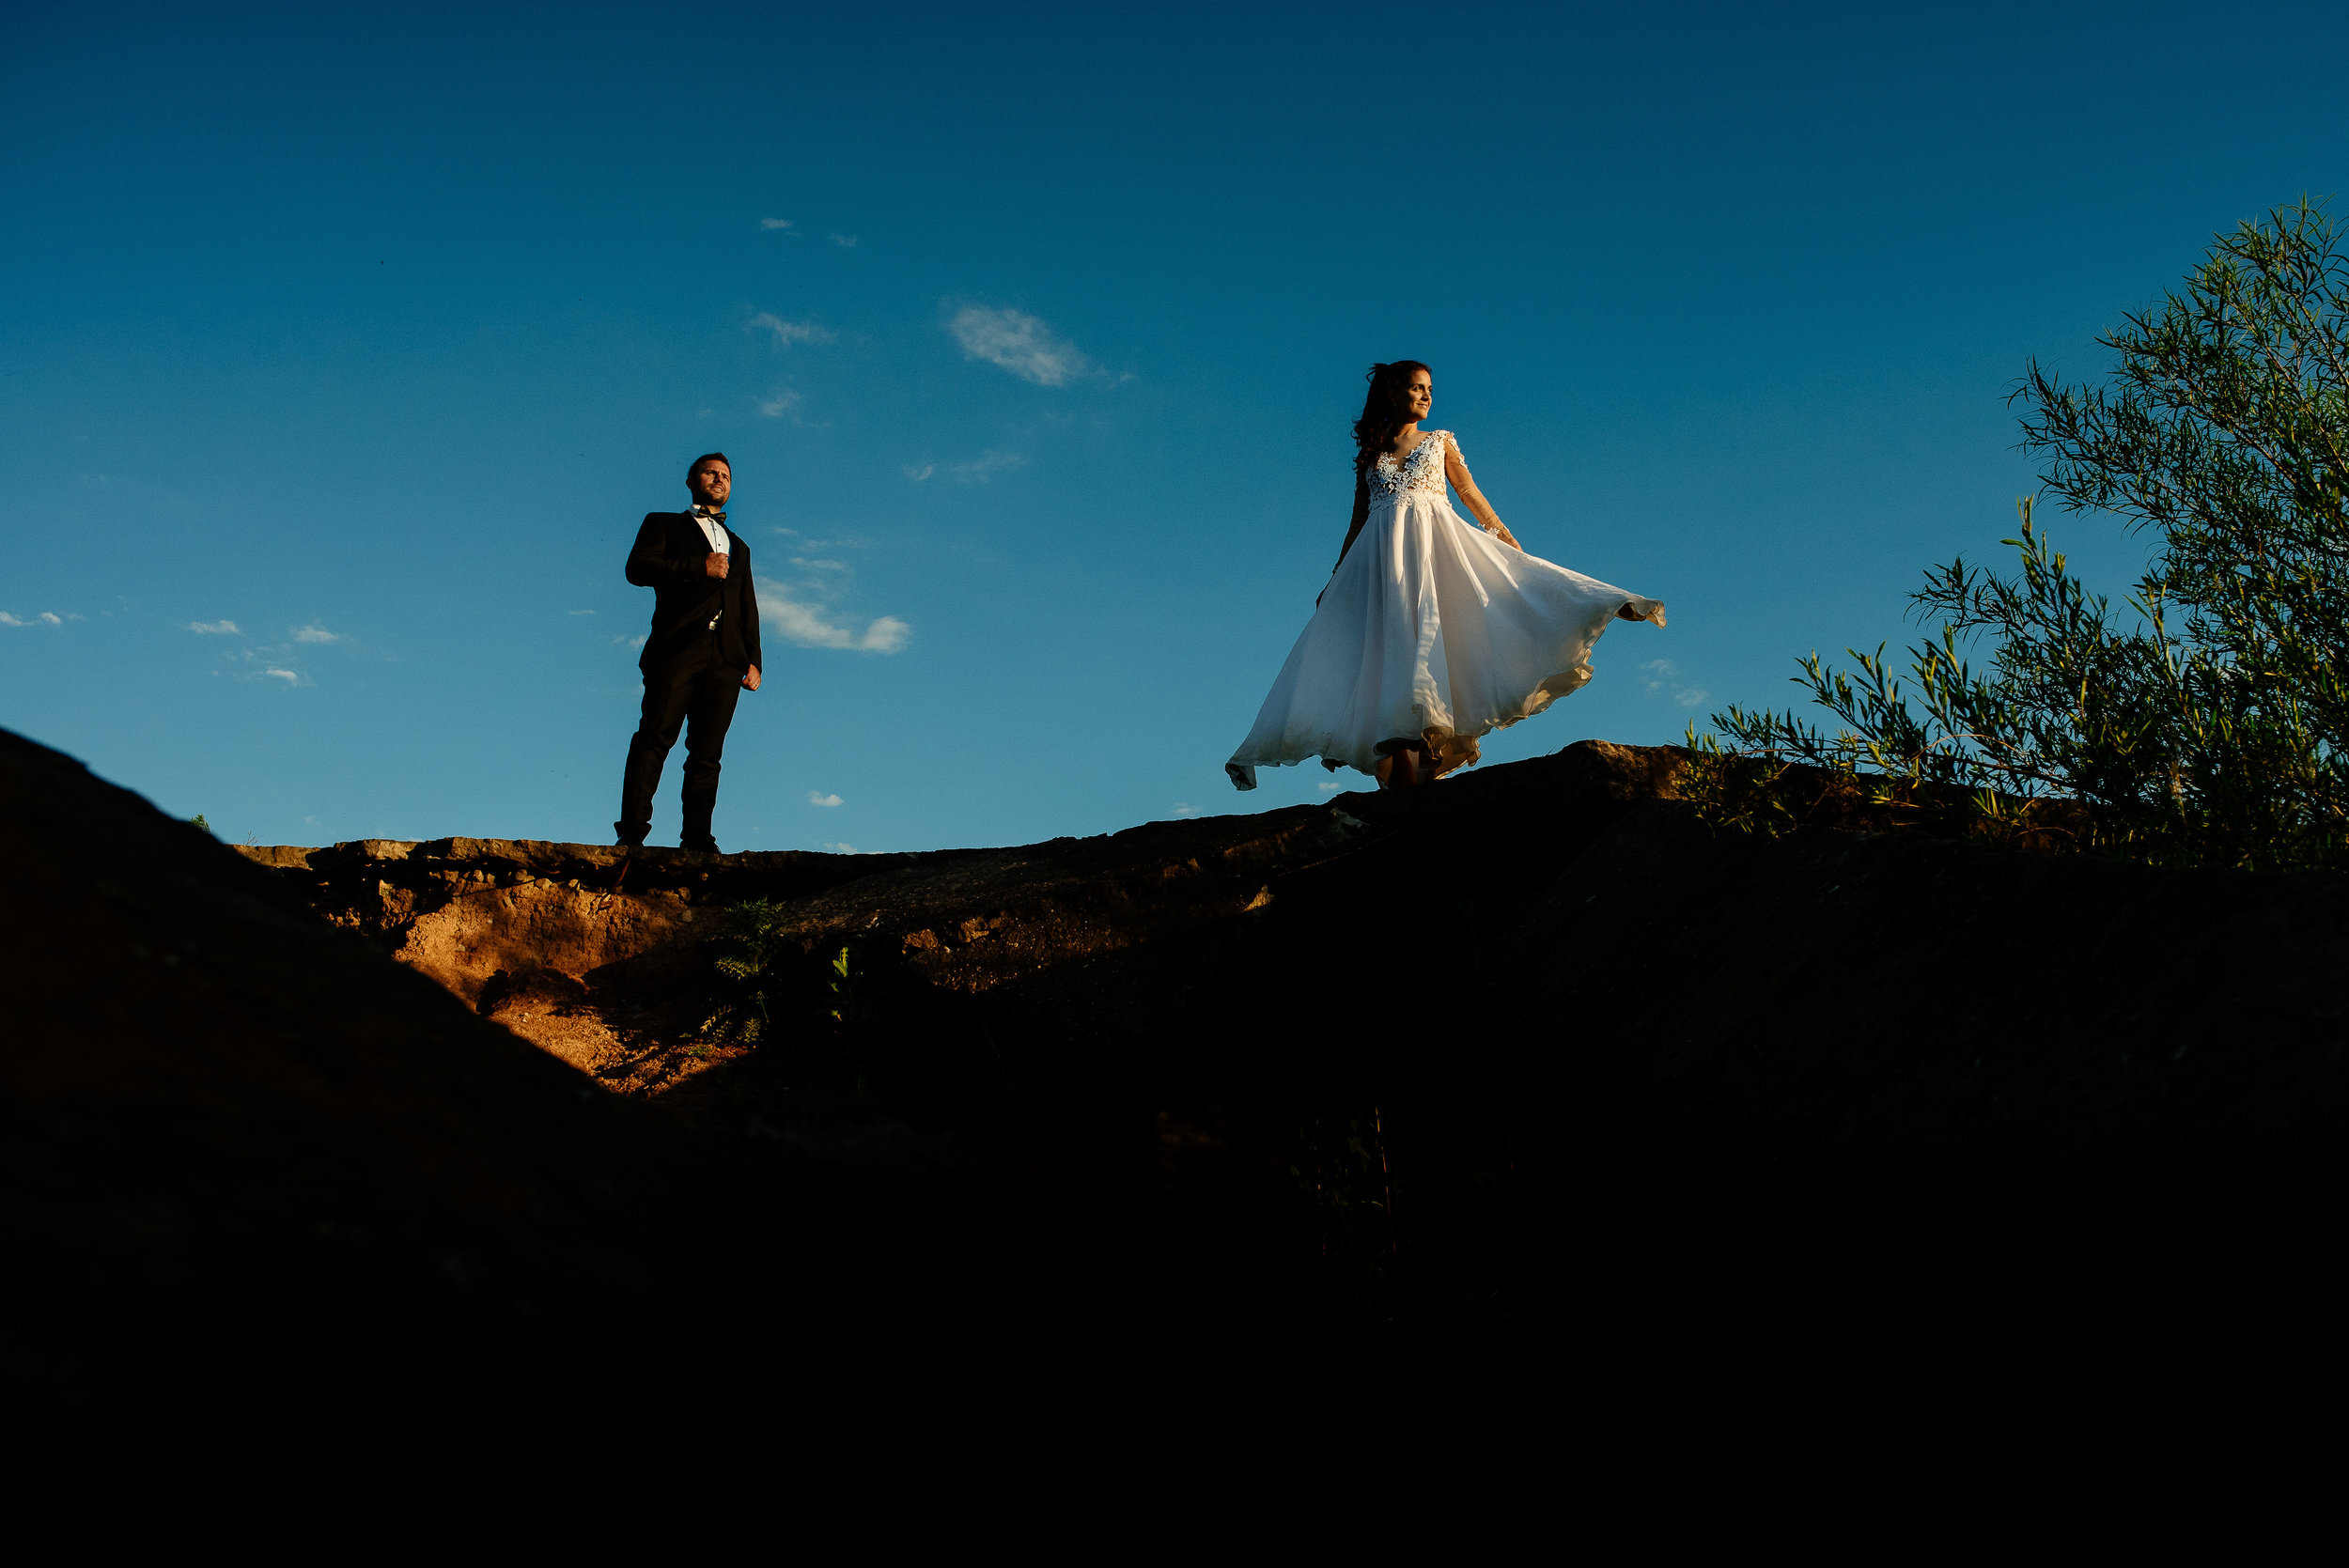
(700, 845)
(631, 838)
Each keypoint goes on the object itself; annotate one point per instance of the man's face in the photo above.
(711, 483)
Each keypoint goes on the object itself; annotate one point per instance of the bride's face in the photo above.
(1420, 395)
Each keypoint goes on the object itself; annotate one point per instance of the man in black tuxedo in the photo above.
(701, 655)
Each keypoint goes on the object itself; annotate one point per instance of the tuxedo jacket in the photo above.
(669, 558)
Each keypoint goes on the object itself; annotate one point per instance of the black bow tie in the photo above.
(705, 512)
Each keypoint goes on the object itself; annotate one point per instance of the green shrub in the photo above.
(775, 981)
(2203, 723)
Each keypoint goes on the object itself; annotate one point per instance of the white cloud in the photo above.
(806, 565)
(636, 642)
(840, 848)
(883, 634)
(315, 634)
(1662, 674)
(816, 799)
(579, 611)
(811, 624)
(986, 466)
(287, 675)
(215, 628)
(1021, 344)
(6, 619)
(919, 474)
(46, 617)
(783, 402)
(1331, 787)
(845, 242)
(1184, 808)
(774, 223)
(787, 333)
(49, 619)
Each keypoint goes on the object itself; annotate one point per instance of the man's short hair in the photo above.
(696, 466)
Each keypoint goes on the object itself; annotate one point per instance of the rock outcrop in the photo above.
(1070, 958)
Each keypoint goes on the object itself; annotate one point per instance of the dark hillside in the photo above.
(226, 1119)
(1884, 1053)
(1525, 1046)
(247, 1149)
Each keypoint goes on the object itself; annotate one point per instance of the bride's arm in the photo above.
(1361, 515)
(1472, 498)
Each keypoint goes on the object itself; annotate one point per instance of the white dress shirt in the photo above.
(714, 531)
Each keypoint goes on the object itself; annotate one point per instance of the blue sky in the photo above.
(342, 348)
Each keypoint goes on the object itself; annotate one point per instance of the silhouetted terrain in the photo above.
(1527, 1048)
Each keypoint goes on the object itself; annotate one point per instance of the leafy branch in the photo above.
(2205, 723)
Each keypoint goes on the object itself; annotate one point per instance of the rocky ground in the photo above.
(1165, 1009)
(1528, 1047)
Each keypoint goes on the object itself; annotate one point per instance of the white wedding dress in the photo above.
(1430, 629)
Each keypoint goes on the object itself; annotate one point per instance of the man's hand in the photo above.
(749, 682)
(714, 564)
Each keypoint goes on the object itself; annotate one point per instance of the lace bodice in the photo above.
(1419, 473)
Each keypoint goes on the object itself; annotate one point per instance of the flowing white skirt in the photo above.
(1431, 629)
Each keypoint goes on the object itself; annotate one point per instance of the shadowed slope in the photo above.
(1898, 1006)
(1528, 1038)
(223, 1114)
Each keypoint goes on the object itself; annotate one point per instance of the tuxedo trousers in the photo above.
(695, 689)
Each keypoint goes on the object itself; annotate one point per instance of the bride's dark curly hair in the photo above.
(1383, 414)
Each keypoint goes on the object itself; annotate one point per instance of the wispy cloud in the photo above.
(46, 618)
(288, 676)
(787, 333)
(805, 565)
(579, 611)
(841, 848)
(1662, 674)
(1184, 808)
(1332, 787)
(636, 642)
(215, 628)
(793, 611)
(1021, 344)
(774, 223)
(783, 402)
(845, 242)
(918, 471)
(817, 799)
(315, 634)
(986, 466)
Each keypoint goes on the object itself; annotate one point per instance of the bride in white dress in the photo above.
(1432, 630)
